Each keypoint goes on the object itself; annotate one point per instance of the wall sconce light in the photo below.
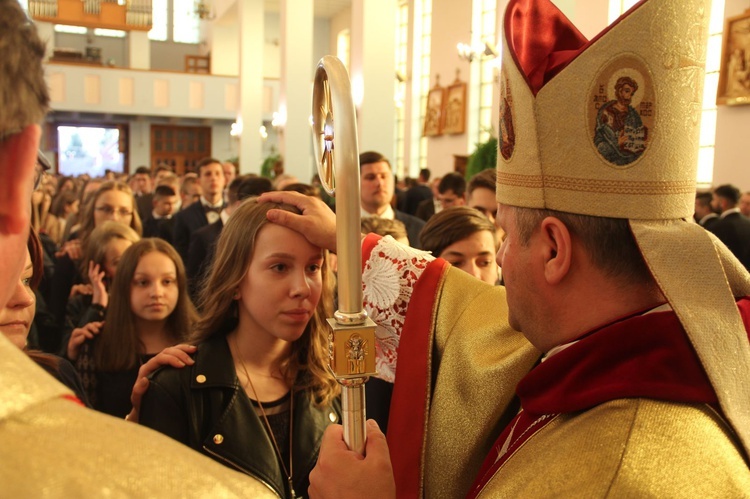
(235, 130)
(263, 132)
(278, 120)
(478, 50)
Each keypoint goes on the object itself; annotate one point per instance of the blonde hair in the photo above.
(234, 251)
(96, 247)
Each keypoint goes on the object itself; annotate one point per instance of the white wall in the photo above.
(731, 159)
(451, 24)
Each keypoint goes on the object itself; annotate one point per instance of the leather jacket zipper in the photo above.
(240, 468)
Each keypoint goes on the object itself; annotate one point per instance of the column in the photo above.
(139, 50)
(46, 32)
(295, 97)
(250, 14)
(373, 73)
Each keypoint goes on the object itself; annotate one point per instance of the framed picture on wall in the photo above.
(434, 114)
(734, 74)
(455, 109)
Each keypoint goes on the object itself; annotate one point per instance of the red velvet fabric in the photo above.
(645, 356)
(407, 421)
(369, 242)
(542, 41)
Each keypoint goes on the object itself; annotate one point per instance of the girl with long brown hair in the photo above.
(149, 310)
(112, 201)
(258, 395)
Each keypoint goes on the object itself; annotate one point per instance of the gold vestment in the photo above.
(54, 447)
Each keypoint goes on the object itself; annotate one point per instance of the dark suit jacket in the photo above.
(414, 196)
(426, 209)
(413, 227)
(145, 205)
(186, 222)
(161, 228)
(734, 231)
(201, 254)
(710, 222)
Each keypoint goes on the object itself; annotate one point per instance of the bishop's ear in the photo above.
(18, 156)
(556, 248)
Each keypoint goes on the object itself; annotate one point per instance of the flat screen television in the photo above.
(89, 149)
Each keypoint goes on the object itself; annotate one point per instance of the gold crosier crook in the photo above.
(351, 337)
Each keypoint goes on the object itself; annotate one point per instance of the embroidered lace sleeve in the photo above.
(390, 271)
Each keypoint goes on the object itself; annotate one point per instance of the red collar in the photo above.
(647, 356)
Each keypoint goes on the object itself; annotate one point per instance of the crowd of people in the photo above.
(529, 343)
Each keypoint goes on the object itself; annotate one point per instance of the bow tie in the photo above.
(212, 209)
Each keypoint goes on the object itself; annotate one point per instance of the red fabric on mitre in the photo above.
(542, 41)
(646, 356)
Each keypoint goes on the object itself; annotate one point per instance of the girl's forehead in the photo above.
(156, 260)
(273, 238)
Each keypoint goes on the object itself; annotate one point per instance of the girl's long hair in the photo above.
(118, 348)
(37, 263)
(219, 309)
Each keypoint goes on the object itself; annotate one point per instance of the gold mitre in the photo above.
(609, 128)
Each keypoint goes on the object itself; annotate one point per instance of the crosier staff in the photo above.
(352, 334)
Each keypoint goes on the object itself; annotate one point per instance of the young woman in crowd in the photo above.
(258, 396)
(112, 201)
(149, 310)
(465, 238)
(103, 252)
(63, 205)
(17, 317)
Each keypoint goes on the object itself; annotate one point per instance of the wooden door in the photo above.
(180, 147)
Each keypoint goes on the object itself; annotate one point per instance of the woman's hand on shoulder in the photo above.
(81, 334)
(177, 356)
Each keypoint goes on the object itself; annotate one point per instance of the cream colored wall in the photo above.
(451, 24)
(732, 128)
(225, 51)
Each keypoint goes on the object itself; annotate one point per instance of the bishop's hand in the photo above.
(317, 222)
(342, 473)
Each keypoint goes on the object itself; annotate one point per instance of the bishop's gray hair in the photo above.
(24, 98)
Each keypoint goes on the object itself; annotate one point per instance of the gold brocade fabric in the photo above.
(477, 362)
(627, 448)
(707, 312)
(53, 447)
(558, 162)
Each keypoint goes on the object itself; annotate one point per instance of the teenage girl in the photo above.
(149, 310)
(103, 252)
(258, 396)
